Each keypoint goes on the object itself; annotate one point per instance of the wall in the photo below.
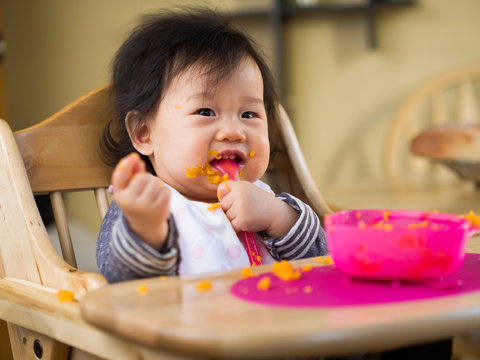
(341, 94)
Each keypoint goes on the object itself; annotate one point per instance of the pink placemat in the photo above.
(325, 286)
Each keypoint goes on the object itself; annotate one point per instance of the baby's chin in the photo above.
(202, 195)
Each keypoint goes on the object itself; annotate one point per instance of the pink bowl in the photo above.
(397, 244)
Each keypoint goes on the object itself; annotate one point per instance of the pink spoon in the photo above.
(230, 167)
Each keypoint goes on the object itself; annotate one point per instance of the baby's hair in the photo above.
(164, 46)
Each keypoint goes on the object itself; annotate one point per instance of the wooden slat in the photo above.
(439, 110)
(468, 110)
(63, 230)
(102, 201)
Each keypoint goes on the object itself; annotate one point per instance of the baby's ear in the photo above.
(139, 133)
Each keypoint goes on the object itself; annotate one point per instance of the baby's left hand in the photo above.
(252, 209)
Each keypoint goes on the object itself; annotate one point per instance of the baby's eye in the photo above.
(249, 115)
(205, 112)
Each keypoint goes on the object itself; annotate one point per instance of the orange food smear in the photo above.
(307, 289)
(388, 227)
(214, 154)
(252, 153)
(247, 272)
(207, 171)
(213, 206)
(326, 260)
(386, 215)
(142, 289)
(284, 271)
(307, 268)
(423, 224)
(474, 219)
(264, 283)
(65, 296)
(204, 286)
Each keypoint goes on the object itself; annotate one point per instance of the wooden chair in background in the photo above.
(60, 155)
(451, 96)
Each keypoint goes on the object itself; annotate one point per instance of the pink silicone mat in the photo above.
(325, 286)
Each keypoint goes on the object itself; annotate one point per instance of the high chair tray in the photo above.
(171, 314)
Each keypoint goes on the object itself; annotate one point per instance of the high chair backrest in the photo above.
(451, 96)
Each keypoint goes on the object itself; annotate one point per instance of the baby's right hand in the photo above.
(143, 199)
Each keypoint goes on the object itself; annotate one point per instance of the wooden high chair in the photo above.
(451, 96)
(58, 155)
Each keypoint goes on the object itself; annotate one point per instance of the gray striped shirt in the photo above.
(122, 256)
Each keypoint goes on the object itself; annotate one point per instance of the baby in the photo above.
(191, 95)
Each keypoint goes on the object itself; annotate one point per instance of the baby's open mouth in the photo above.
(224, 166)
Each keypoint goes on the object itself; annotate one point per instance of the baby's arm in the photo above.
(144, 200)
(305, 239)
(122, 256)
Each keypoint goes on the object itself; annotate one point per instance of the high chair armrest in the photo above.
(36, 307)
(25, 250)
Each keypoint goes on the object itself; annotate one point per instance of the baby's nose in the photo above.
(231, 130)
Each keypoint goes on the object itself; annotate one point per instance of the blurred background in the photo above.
(343, 69)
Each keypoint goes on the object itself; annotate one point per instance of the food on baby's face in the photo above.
(252, 153)
(214, 153)
(205, 170)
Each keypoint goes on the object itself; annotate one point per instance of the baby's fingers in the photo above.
(223, 189)
(126, 169)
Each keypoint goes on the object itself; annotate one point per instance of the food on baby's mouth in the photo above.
(252, 153)
(214, 153)
(205, 170)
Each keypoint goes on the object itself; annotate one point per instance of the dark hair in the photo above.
(161, 48)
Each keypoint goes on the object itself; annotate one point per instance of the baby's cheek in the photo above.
(257, 167)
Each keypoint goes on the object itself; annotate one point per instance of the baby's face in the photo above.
(198, 121)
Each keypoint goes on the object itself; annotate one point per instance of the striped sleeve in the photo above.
(121, 255)
(305, 239)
